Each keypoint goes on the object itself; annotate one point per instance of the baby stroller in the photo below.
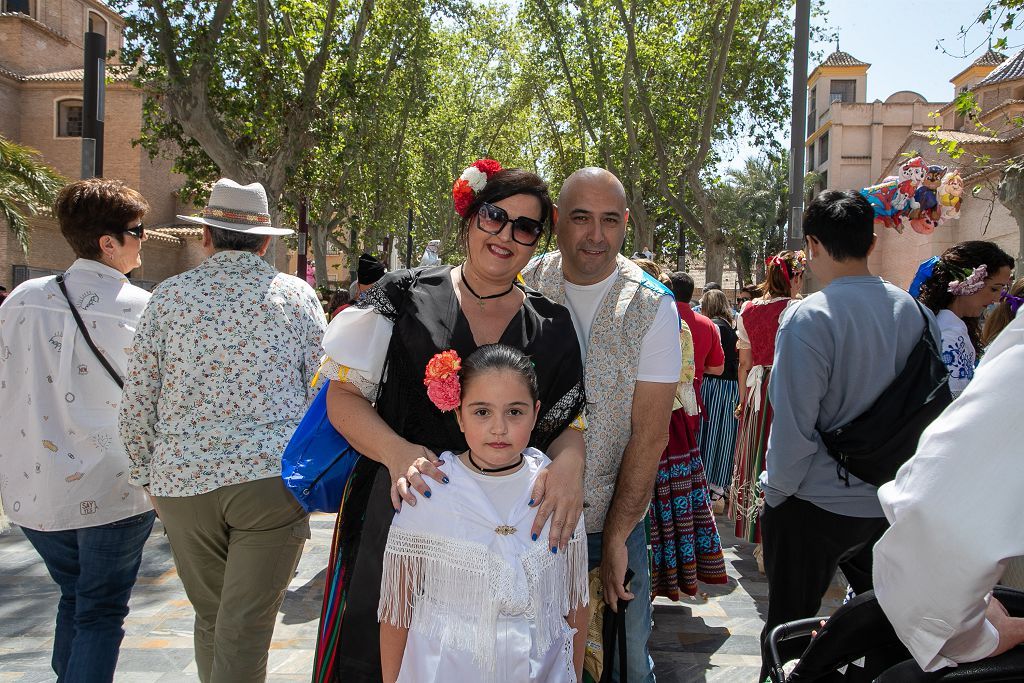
(859, 637)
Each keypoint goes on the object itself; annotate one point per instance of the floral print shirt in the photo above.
(220, 375)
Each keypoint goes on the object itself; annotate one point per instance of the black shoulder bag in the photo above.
(85, 333)
(875, 444)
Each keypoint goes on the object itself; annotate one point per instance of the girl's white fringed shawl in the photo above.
(449, 575)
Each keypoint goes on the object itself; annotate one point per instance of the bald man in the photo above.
(628, 330)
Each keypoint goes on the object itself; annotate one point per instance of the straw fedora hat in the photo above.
(241, 208)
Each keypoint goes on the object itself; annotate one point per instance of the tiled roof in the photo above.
(1010, 70)
(71, 75)
(182, 230)
(959, 136)
(990, 58)
(840, 58)
(162, 236)
(66, 76)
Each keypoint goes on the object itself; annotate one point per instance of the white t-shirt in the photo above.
(660, 356)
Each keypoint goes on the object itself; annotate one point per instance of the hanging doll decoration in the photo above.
(917, 197)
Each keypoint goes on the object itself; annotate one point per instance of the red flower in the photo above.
(463, 195)
(488, 166)
(445, 393)
(442, 380)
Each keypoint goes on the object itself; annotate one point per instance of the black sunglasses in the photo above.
(138, 232)
(493, 219)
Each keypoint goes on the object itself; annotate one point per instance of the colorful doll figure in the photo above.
(911, 176)
(950, 191)
(880, 197)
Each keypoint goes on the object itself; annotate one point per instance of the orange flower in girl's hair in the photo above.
(443, 365)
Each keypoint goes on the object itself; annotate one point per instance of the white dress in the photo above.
(481, 599)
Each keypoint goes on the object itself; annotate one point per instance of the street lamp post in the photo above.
(93, 104)
(798, 125)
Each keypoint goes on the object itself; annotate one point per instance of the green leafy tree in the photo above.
(27, 186)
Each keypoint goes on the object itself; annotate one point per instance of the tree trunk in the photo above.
(681, 253)
(1011, 195)
(715, 251)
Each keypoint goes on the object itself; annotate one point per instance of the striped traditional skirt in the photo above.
(717, 437)
(685, 545)
(745, 497)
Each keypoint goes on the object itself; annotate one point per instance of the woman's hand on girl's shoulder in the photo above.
(558, 494)
(409, 474)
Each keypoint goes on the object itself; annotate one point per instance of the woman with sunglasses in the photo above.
(376, 354)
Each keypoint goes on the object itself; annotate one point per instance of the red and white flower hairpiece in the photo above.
(469, 184)
(442, 380)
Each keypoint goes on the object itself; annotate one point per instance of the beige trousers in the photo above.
(236, 549)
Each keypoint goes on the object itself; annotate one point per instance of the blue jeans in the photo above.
(639, 614)
(95, 568)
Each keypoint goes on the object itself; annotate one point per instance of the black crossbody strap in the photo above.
(85, 333)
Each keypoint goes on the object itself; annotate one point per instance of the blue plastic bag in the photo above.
(318, 460)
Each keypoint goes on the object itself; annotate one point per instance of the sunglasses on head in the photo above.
(493, 219)
(138, 232)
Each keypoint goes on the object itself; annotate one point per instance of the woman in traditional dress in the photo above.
(377, 351)
(756, 328)
(685, 545)
(720, 395)
(958, 286)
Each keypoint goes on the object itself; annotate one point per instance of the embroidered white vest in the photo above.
(613, 355)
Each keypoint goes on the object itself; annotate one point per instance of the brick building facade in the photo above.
(41, 84)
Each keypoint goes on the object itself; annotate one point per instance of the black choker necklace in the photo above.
(482, 299)
(506, 468)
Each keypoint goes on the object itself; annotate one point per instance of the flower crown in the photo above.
(791, 267)
(972, 283)
(442, 380)
(469, 184)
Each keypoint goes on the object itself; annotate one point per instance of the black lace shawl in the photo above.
(427, 317)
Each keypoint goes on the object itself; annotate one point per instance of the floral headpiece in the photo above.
(970, 284)
(469, 184)
(791, 267)
(1013, 301)
(442, 380)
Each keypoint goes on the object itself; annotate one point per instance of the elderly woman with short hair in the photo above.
(63, 349)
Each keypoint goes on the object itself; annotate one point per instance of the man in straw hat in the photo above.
(218, 380)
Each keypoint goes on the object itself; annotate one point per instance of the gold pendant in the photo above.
(481, 304)
(505, 530)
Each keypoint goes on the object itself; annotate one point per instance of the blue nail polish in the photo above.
(554, 549)
(426, 494)
(534, 537)
(444, 479)
(531, 505)
(397, 511)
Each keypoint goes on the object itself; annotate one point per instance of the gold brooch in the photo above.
(505, 530)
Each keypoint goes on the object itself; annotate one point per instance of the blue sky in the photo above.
(898, 38)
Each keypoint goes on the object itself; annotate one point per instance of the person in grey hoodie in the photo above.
(836, 352)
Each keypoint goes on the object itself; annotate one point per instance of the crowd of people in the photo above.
(542, 433)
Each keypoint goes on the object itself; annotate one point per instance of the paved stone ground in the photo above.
(712, 637)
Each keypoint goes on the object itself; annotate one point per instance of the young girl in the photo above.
(467, 594)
